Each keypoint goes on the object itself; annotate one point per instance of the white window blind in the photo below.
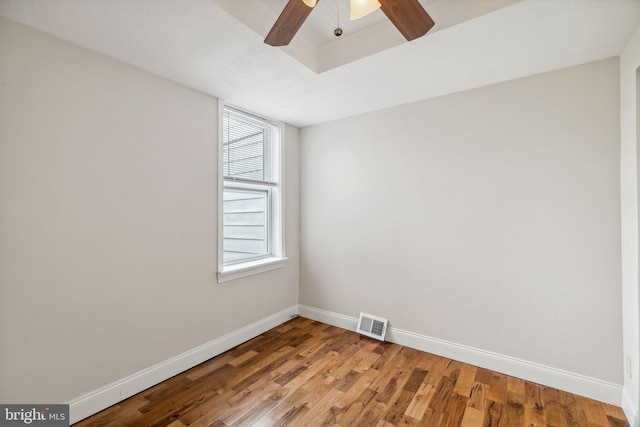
(247, 148)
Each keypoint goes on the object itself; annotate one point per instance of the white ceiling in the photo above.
(199, 44)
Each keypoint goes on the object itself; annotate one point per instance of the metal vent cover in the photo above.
(372, 326)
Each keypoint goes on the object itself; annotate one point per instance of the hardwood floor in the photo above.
(306, 373)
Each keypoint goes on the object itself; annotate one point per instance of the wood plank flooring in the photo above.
(306, 373)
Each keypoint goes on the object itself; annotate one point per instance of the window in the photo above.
(250, 226)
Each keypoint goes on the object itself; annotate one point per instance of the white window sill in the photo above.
(245, 269)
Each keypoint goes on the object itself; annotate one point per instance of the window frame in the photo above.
(275, 258)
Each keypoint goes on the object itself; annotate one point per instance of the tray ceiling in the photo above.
(200, 44)
(315, 45)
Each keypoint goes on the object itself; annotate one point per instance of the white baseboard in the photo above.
(111, 394)
(328, 317)
(582, 385)
(630, 409)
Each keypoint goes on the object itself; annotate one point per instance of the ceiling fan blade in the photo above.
(408, 16)
(288, 23)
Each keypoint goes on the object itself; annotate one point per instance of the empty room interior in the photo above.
(473, 188)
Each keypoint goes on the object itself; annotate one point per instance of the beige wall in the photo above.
(630, 138)
(488, 218)
(108, 222)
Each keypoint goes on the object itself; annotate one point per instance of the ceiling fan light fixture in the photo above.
(360, 8)
(310, 3)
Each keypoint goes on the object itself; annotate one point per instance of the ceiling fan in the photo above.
(408, 16)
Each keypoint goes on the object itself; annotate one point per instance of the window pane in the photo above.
(246, 149)
(245, 224)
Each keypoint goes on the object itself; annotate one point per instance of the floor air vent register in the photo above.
(372, 326)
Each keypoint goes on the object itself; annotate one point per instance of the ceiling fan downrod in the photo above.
(338, 31)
